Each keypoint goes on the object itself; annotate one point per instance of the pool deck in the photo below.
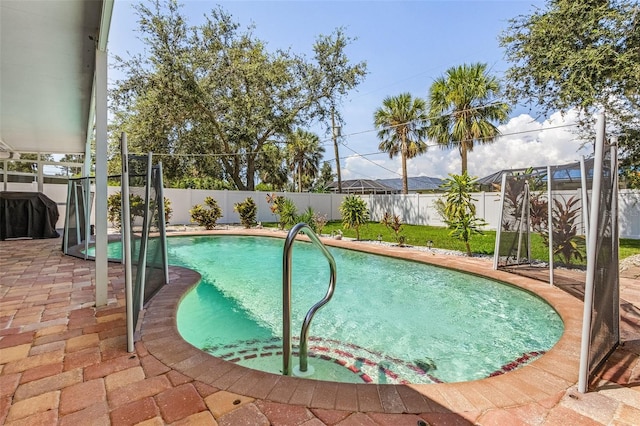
(63, 361)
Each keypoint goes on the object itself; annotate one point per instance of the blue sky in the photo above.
(406, 44)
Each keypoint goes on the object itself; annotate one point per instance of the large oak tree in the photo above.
(582, 55)
(212, 96)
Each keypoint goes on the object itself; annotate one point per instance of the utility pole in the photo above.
(336, 132)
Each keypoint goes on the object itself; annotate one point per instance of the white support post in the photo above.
(141, 272)
(126, 242)
(524, 220)
(496, 250)
(102, 269)
(40, 173)
(592, 242)
(550, 222)
(86, 194)
(86, 166)
(163, 225)
(615, 230)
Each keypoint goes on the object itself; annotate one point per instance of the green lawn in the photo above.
(418, 235)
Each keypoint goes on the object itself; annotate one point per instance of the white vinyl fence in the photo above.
(418, 209)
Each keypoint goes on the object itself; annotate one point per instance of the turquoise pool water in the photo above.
(390, 320)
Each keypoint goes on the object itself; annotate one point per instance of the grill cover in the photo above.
(27, 215)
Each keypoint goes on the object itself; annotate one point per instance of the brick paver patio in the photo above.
(62, 361)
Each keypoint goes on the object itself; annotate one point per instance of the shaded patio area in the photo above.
(62, 361)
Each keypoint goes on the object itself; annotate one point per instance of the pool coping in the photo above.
(543, 381)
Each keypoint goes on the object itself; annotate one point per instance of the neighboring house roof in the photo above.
(362, 186)
(567, 175)
(417, 183)
(386, 186)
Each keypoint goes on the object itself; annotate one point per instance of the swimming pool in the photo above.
(390, 321)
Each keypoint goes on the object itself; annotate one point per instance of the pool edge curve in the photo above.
(544, 379)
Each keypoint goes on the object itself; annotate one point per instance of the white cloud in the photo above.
(525, 142)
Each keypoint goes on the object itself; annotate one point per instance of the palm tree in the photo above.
(402, 123)
(304, 154)
(462, 106)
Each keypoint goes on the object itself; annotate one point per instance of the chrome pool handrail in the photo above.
(286, 297)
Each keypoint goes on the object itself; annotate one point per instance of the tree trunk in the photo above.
(232, 171)
(463, 156)
(251, 173)
(403, 151)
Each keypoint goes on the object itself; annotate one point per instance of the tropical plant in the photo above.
(206, 217)
(168, 211)
(402, 128)
(461, 210)
(288, 212)
(114, 208)
(462, 107)
(441, 208)
(304, 154)
(464, 226)
(320, 220)
(307, 217)
(539, 208)
(458, 190)
(354, 213)
(567, 244)
(136, 208)
(284, 208)
(248, 210)
(392, 221)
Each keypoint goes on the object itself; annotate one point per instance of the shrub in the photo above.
(315, 221)
(136, 208)
(354, 213)
(567, 244)
(206, 217)
(307, 217)
(288, 212)
(319, 220)
(168, 211)
(393, 222)
(284, 208)
(460, 210)
(247, 211)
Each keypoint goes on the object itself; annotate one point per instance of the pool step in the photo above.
(368, 366)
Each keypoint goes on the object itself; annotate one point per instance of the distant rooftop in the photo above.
(386, 186)
(568, 175)
(416, 184)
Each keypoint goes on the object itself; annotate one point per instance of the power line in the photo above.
(364, 156)
(372, 162)
(217, 155)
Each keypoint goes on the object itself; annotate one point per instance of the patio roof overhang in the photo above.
(47, 73)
